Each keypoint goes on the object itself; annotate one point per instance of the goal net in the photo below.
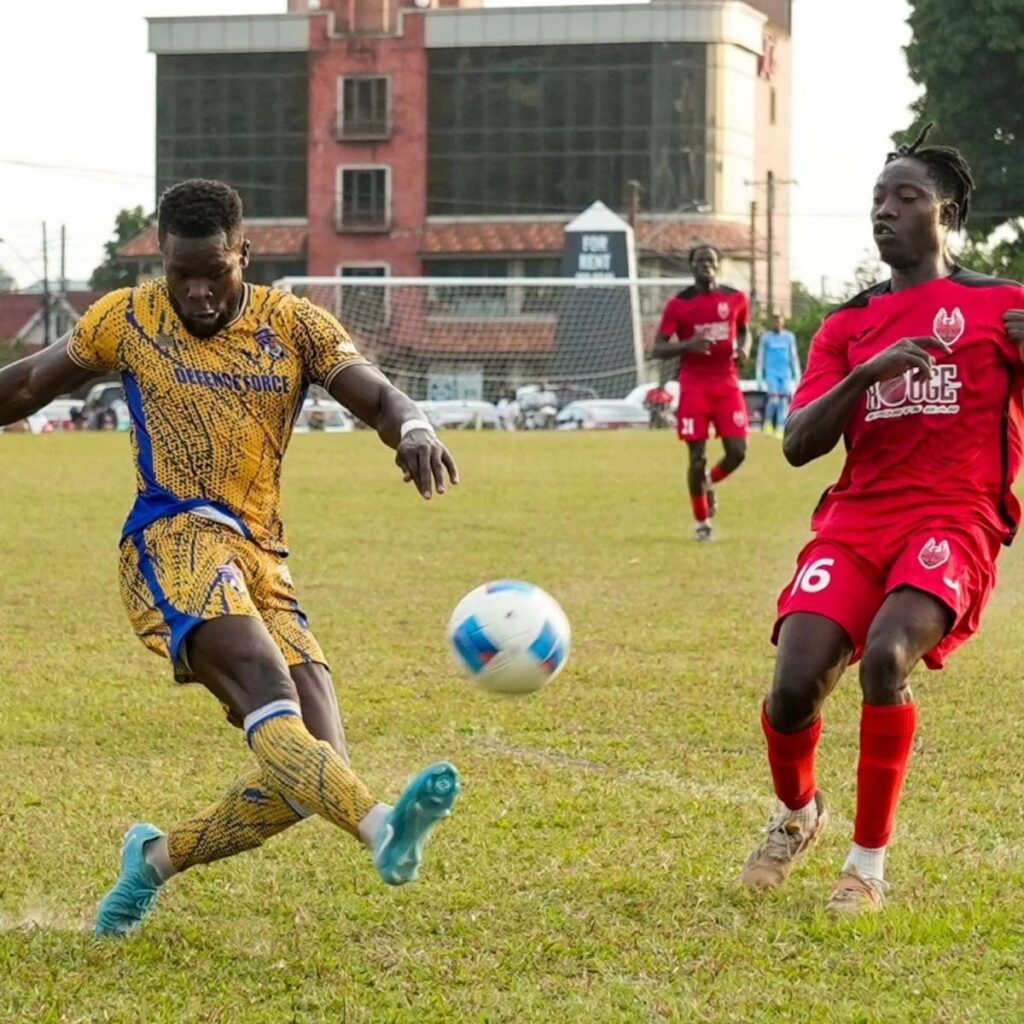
(477, 338)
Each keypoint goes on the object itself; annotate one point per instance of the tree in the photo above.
(970, 60)
(1000, 256)
(114, 272)
(808, 312)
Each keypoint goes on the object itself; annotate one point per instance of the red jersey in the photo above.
(717, 315)
(946, 448)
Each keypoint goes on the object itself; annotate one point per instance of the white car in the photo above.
(325, 416)
(603, 414)
(461, 415)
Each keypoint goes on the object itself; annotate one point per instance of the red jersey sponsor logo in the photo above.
(714, 332)
(934, 554)
(949, 327)
(907, 396)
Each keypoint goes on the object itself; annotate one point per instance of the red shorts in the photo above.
(701, 405)
(847, 582)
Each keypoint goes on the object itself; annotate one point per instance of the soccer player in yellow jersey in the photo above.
(215, 371)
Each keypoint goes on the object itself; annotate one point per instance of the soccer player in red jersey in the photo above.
(921, 377)
(710, 322)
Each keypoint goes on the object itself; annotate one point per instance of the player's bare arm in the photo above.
(423, 459)
(744, 343)
(30, 383)
(666, 348)
(1013, 319)
(815, 430)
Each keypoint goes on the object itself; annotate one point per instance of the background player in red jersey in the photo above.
(922, 379)
(710, 321)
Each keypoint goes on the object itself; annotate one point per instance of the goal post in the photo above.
(479, 338)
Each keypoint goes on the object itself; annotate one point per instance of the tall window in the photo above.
(364, 198)
(364, 107)
(549, 129)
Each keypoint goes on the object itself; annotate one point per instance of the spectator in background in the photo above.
(508, 410)
(778, 373)
(122, 418)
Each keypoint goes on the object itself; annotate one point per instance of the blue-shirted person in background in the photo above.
(778, 373)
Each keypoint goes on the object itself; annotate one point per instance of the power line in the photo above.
(110, 174)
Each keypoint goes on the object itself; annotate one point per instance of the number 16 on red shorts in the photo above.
(848, 586)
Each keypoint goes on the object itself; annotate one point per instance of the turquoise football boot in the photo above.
(127, 904)
(398, 848)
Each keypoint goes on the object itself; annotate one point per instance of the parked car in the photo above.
(461, 415)
(104, 395)
(323, 415)
(603, 414)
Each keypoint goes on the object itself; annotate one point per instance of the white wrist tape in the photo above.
(409, 425)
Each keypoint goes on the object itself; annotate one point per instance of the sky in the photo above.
(78, 143)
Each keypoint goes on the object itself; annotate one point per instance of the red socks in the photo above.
(791, 756)
(886, 739)
(717, 474)
(701, 511)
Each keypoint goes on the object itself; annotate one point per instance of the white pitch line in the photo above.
(661, 779)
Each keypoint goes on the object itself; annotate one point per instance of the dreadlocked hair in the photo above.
(946, 167)
(198, 208)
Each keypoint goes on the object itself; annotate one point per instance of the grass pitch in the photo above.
(589, 871)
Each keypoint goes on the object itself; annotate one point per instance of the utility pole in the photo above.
(633, 190)
(753, 255)
(63, 281)
(771, 183)
(770, 242)
(63, 254)
(46, 292)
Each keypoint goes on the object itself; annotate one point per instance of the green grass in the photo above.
(589, 871)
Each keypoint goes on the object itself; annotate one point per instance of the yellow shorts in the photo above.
(183, 571)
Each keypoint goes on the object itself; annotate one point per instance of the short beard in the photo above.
(198, 331)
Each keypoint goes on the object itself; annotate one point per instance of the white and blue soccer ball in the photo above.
(509, 636)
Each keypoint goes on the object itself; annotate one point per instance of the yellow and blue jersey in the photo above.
(212, 417)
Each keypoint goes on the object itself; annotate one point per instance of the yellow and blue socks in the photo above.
(308, 773)
(248, 814)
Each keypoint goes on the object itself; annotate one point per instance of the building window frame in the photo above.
(363, 268)
(354, 224)
(372, 128)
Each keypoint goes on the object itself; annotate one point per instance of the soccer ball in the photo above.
(509, 636)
